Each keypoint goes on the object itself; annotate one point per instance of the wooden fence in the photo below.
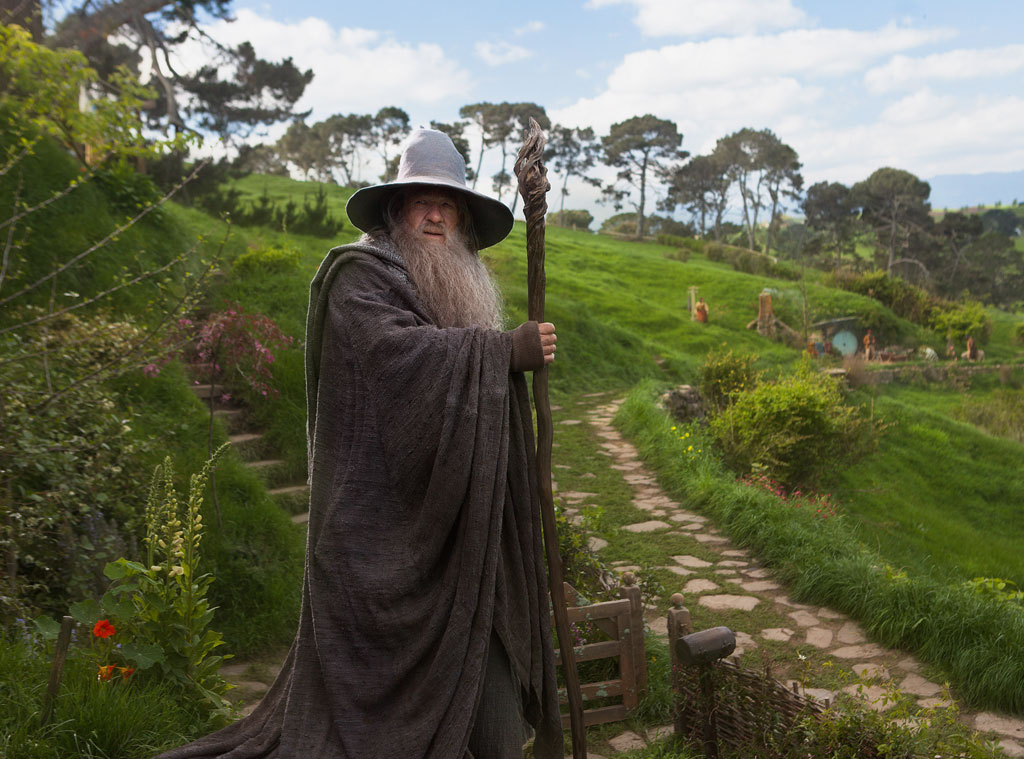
(608, 630)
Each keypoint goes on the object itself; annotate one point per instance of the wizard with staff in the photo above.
(424, 627)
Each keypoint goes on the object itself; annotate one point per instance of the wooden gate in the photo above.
(621, 624)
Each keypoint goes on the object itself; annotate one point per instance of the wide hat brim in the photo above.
(430, 159)
(492, 219)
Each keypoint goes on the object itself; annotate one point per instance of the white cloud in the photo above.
(498, 53)
(737, 81)
(922, 135)
(693, 18)
(355, 70)
(953, 65)
(531, 27)
(810, 87)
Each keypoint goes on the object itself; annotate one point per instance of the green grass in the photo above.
(940, 497)
(977, 643)
(92, 719)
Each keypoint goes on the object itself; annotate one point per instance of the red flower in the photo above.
(126, 672)
(105, 672)
(103, 629)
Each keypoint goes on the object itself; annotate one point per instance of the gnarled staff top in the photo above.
(532, 176)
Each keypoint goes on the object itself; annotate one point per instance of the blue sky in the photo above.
(930, 87)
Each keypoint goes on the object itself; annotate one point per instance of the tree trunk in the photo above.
(746, 211)
(643, 198)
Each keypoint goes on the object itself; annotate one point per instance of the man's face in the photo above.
(432, 213)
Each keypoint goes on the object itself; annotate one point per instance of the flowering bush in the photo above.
(230, 348)
(724, 375)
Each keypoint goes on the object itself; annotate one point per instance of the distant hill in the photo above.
(959, 190)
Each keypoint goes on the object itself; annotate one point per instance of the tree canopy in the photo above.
(641, 147)
(894, 203)
(232, 95)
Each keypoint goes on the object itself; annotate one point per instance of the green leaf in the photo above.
(120, 608)
(144, 656)
(87, 612)
(115, 570)
(48, 627)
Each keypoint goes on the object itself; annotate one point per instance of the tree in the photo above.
(782, 179)
(486, 117)
(345, 135)
(702, 185)
(388, 128)
(307, 149)
(761, 165)
(572, 152)
(958, 230)
(895, 204)
(829, 209)
(993, 270)
(233, 95)
(640, 147)
(1003, 221)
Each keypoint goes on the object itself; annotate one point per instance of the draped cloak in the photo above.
(424, 534)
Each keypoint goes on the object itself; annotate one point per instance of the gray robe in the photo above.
(424, 535)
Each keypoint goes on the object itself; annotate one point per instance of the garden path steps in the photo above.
(732, 581)
(253, 678)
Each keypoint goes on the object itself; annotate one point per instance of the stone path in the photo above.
(734, 581)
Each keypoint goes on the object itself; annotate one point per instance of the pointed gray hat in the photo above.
(431, 159)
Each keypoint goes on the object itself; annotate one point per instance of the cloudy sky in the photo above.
(933, 87)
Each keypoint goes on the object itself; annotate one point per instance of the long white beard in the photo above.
(451, 280)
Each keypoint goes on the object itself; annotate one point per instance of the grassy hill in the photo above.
(939, 496)
(938, 501)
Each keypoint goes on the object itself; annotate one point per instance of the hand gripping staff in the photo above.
(533, 186)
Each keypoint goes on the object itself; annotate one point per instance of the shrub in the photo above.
(957, 320)
(676, 241)
(960, 320)
(752, 262)
(796, 429)
(1018, 334)
(571, 218)
(267, 261)
(68, 466)
(724, 375)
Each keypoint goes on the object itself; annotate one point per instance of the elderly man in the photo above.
(424, 625)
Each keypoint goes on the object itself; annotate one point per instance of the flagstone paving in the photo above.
(820, 628)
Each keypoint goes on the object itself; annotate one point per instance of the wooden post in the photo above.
(60, 654)
(636, 628)
(678, 627)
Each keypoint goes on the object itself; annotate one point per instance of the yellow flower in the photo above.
(690, 448)
(673, 429)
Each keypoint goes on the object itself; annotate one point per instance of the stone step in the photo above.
(273, 471)
(204, 391)
(302, 518)
(233, 419)
(292, 498)
(251, 446)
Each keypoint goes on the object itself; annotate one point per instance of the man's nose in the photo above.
(434, 213)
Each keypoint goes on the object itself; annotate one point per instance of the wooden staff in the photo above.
(533, 186)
